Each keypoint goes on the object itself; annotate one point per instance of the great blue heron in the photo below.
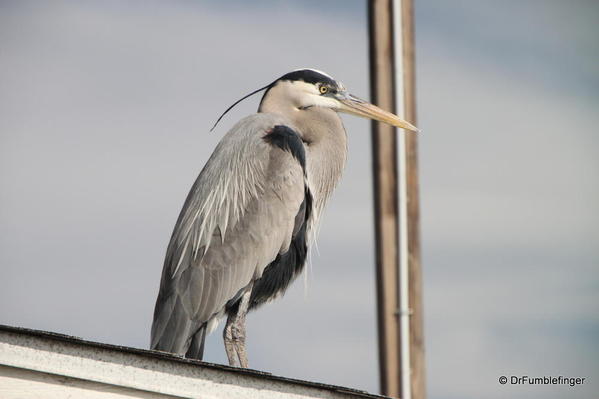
(248, 221)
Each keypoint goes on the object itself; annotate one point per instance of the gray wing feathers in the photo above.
(238, 216)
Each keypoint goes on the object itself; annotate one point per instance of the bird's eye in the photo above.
(323, 89)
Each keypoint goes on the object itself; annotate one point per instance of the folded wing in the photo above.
(239, 217)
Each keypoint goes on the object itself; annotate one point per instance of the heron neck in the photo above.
(326, 151)
(325, 142)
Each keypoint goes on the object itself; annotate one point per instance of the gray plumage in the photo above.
(252, 213)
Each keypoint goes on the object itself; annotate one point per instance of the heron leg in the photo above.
(229, 347)
(234, 333)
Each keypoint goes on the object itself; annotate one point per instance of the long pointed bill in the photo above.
(354, 105)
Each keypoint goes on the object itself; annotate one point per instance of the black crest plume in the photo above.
(237, 102)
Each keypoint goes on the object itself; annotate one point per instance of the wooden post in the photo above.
(387, 229)
(384, 156)
(417, 363)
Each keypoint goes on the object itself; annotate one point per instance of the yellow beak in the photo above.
(355, 106)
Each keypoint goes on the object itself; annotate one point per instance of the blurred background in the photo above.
(105, 108)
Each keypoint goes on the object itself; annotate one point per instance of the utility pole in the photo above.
(397, 232)
(384, 158)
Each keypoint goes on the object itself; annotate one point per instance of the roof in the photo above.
(57, 361)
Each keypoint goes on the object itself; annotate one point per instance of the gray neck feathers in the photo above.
(326, 151)
(326, 148)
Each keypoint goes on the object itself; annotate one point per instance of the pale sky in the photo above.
(105, 109)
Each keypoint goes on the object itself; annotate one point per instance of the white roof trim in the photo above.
(149, 371)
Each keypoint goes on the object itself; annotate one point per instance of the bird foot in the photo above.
(234, 335)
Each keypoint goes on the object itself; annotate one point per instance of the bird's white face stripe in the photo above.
(304, 94)
(303, 87)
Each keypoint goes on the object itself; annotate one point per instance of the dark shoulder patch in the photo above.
(309, 76)
(288, 140)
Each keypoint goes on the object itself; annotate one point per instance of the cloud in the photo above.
(104, 117)
(509, 193)
(103, 134)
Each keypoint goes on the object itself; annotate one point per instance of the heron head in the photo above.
(307, 88)
(304, 89)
